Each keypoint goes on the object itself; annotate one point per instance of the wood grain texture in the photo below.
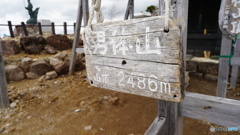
(229, 18)
(4, 100)
(234, 75)
(76, 36)
(224, 67)
(216, 110)
(157, 127)
(150, 70)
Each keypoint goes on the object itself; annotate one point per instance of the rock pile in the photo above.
(47, 68)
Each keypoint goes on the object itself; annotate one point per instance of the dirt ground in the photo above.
(68, 105)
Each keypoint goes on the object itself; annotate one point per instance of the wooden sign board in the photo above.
(137, 57)
(229, 17)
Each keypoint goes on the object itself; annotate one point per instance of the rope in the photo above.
(88, 33)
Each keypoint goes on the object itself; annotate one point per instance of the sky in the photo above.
(59, 11)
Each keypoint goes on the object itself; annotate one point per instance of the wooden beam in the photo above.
(76, 37)
(157, 126)
(131, 9)
(224, 67)
(234, 76)
(161, 7)
(53, 28)
(65, 28)
(10, 29)
(24, 28)
(40, 28)
(216, 110)
(127, 12)
(85, 8)
(4, 100)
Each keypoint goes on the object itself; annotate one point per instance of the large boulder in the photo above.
(10, 47)
(40, 67)
(59, 42)
(32, 45)
(14, 73)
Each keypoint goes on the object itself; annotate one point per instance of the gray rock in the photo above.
(62, 68)
(13, 104)
(51, 75)
(54, 61)
(31, 75)
(87, 128)
(25, 64)
(211, 77)
(14, 73)
(61, 55)
(40, 67)
(196, 74)
(210, 68)
(50, 50)
(191, 66)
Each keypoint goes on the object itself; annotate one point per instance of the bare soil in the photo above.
(68, 105)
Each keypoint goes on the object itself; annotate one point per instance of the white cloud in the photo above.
(58, 11)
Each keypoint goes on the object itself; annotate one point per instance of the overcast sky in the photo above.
(58, 11)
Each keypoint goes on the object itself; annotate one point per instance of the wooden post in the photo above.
(171, 110)
(127, 11)
(234, 75)
(65, 28)
(4, 100)
(131, 9)
(10, 29)
(40, 28)
(85, 8)
(224, 67)
(76, 36)
(53, 28)
(74, 26)
(24, 28)
(161, 7)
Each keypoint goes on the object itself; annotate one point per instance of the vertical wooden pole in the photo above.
(10, 29)
(171, 110)
(74, 26)
(224, 67)
(131, 8)
(40, 28)
(65, 28)
(234, 74)
(4, 100)
(76, 36)
(24, 28)
(127, 10)
(85, 9)
(53, 28)
(161, 7)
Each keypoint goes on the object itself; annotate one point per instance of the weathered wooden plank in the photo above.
(85, 8)
(133, 81)
(76, 37)
(157, 126)
(229, 18)
(235, 61)
(136, 52)
(234, 75)
(224, 67)
(10, 29)
(4, 100)
(216, 110)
